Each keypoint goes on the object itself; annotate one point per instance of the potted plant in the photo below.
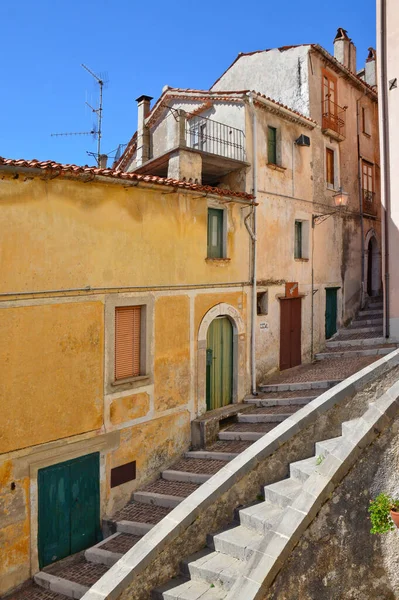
(384, 513)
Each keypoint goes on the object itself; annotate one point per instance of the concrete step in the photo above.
(214, 568)
(375, 305)
(170, 475)
(208, 455)
(133, 527)
(181, 588)
(301, 470)
(72, 576)
(350, 330)
(355, 340)
(305, 385)
(165, 493)
(109, 551)
(261, 517)
(59, 585)
(366, 323)
(323, 448)
(354, 351)
(238, 542)
(135, 518)
(283, 492)
(246, 431)
(348, 426)
(273, 414)
(263, 402)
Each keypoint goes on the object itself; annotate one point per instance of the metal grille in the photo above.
(216, 138)
(333, 117)
(369, 207)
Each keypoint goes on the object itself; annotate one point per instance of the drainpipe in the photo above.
(386, 152)
(252, 233)
(359, 175)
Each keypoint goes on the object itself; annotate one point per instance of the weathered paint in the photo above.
(128, 408)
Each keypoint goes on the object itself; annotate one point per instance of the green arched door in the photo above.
(219, 363)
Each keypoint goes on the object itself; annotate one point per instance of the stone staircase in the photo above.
(350, 350)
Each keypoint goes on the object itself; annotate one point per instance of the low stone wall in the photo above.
(157, 555)
(337, 556)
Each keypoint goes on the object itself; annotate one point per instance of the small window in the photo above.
(298, 240)
(215, 233)
(272, 145)
(127, 341)
(330, 176)
(262, 299)
(365, 124)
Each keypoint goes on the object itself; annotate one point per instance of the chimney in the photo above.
(370, 70)
(143, 134)
(102, 161)
(345, 50)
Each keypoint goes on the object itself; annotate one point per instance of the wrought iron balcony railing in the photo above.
(333, 117)
(211, 136)
(369, 205)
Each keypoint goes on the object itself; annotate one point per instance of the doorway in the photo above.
(68, 508)
(373, 268)
(331, 312)
(290, 332)
(219, 363)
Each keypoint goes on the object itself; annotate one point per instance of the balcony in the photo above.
(369, 204)
(193, 147)
(333, 119)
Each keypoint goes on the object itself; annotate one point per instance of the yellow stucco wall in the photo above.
(51, 377)
(204, 302)
(128, 408)
(172, 352)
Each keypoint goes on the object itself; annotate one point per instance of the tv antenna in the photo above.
(96, 130)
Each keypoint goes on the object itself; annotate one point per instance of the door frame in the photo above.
(291, 299)
(239, 353)
(57, 453)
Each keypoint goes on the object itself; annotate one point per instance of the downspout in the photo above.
(359, 175)
(252, 233)
(387, 183)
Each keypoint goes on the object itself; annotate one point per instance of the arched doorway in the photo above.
(219, 363)
(239, 352)
(373, 267)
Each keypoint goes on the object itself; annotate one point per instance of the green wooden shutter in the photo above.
(215, 233)
(298, 239)
(272, 145)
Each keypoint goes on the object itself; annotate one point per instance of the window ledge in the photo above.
(276, 167)
(217, 260)
(130, 380)
(301, 259)
(330, 187)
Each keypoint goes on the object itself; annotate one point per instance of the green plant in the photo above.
(379, 513)
(319, 459)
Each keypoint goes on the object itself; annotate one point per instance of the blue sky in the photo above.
(140, 46)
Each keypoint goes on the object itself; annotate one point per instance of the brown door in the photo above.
(290, 333)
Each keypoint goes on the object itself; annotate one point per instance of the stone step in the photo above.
(207, 455)
(192, 470)
(361, 329)
(133, 527)
(59, 585)
(348, 426)
(182, 588)
(354, 351)
(355, 340)
(303, 385)
(371, 312)
(246, 431)
(280, 401)
(238, 542)
(165, 493)
(261, 517)
(375, 306)
(301, 470)
(324, 447)
(366, 324)
(273, 414)
(32, 591)
(71, 577)
(109, 551)
(214, 568)
(136, 518)
(369, 319)
(283, 492)
(185, 476)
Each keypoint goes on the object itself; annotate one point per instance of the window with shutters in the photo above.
(272, 145)
(215, 235)
(298, 240)
(128, 342)
(330, 171)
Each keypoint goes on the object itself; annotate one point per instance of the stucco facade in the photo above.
(72, 251)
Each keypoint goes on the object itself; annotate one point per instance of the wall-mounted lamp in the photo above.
(341, 202)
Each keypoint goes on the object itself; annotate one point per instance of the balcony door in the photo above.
(329, 95)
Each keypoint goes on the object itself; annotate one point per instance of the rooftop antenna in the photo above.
(96, 130)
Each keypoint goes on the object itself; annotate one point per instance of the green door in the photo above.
(331, 312)
(69, 508)
(219, 368)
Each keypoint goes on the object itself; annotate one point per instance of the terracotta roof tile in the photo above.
(59, 169)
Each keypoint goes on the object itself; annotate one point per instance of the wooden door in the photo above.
(331, 312)
(290, 332)
(69, 508)
(219, 368)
